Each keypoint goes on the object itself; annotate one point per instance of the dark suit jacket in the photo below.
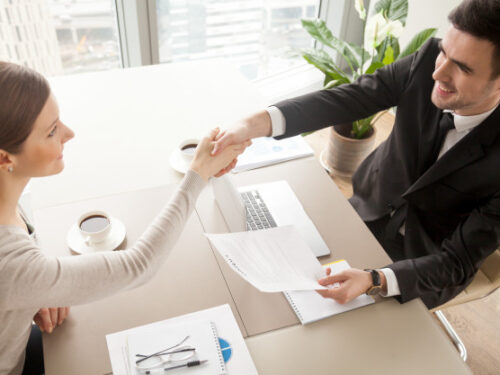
(453, 218)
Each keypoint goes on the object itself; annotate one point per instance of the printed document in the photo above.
(272, 260)
(267, 151)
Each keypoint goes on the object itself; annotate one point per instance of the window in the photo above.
(261, 37)
(60, 36)
(87, 34)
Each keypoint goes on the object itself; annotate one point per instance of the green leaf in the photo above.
(393, 9)
(361, 127)
(394, 43)
(417, 42)
(388, 56)
(320, 32)
(321, 60)
(333, 83)
(373, 67)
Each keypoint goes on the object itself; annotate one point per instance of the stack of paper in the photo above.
(202, 327)
(267, 151)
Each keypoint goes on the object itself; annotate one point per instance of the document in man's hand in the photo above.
(272, 260)
(309, 306)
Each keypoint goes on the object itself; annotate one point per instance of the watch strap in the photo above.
(375, 288)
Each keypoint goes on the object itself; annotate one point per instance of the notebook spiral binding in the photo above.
(217, 344)
(294, 307)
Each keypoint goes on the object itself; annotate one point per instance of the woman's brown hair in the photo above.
(23, 93)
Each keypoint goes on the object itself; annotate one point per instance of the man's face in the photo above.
(463, 74)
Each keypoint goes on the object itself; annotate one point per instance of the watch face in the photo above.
(373, 290)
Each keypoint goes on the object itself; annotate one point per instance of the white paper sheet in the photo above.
(267, 151)
(239, 362)
(272, 260)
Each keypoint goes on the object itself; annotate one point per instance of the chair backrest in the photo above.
(486, 281)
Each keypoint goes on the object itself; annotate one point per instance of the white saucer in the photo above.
(178, 162)
(76, 241)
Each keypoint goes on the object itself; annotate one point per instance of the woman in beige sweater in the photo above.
(32, 138)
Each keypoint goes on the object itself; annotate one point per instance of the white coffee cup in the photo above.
(94, 226)
(187, 148)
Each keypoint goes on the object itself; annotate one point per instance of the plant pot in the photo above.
(343, 154)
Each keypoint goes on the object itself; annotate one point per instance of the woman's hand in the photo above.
(208, 165)
(49, 318)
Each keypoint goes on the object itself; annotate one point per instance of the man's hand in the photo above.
(257, 125)
(207, 165)
(49, 318)
(351, 284)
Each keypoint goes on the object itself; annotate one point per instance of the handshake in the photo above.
(217, 153)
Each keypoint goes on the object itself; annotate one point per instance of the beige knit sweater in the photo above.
(31, 279)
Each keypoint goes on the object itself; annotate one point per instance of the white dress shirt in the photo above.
(463, 125)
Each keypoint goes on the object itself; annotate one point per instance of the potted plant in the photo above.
(349, 144)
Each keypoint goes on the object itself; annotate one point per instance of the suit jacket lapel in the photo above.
(466, 151)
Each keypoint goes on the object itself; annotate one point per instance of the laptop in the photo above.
(263, 206)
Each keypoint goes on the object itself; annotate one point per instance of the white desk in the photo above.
(127, 123)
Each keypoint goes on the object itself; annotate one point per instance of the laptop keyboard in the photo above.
(258, 216)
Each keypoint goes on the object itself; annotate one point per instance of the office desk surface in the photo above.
(127, 122)
(339, 225)
(384, 338)
(190, 280)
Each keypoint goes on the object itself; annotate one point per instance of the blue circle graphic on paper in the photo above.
(226, 349)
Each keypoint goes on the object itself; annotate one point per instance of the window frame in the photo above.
(138, 30)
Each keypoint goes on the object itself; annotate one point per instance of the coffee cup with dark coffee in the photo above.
(187, 148)
(94, 226)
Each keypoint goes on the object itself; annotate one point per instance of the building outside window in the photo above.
(261, 37)
(73, 36)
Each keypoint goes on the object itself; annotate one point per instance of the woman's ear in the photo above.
(5, 161)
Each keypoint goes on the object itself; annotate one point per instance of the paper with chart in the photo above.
(201, 335)
(267, 151)
(234, 350)
(272, 260)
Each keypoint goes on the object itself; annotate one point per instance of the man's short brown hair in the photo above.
(480, 18)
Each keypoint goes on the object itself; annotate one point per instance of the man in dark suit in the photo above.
(431, 192)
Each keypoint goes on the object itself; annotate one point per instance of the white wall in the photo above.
(424, 14)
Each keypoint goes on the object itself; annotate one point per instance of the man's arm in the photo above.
(346, 103)
(440, 276)
(257, 125)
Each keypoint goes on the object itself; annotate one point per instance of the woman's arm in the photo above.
(29, 278)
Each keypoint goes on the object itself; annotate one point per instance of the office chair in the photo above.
(486, 281)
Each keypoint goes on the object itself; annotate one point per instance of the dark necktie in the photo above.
(445, 124)
(397, 219)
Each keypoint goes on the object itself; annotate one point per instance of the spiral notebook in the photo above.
(309, 306)
(201, 335)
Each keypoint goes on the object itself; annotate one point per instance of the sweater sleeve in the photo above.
(31, 279)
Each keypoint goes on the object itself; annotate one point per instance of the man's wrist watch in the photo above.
(376, 283)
